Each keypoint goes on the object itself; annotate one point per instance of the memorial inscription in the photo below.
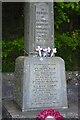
(38, 26)
(45, 83)
(43, 25)
(43, 80)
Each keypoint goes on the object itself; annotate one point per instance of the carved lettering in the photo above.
(45, 84)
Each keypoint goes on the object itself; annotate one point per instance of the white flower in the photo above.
(46, 52)
(49, 49)
(39, 50)
(53, 51)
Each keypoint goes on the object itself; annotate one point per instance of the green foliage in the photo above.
(0, 48)
(68, 45)
(11, 47)
(63, 12)
(67, 39)
(11, 50)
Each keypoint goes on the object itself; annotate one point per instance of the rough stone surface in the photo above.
(72, 75)
(11, 110)
(73, 95)
(40, 83)
(38, 26)
(7, 85)
(0, 87)
(0, 110)
(7, 78)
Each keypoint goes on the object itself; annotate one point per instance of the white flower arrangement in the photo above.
(46, 52)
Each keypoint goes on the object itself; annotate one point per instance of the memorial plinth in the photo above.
(40, 83)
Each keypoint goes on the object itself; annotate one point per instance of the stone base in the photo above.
(40, 83)
(11, 110)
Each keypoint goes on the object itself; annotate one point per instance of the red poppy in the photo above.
(42, 115)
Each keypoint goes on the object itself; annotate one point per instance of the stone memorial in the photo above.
(38, 26)
(39, 81)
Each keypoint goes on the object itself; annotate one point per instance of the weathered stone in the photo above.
(0, 95)
(0, 86)
(72, 75)
(11, 110)
(0, 109)
(8, 78)
(7, 85)
(38, 26)
(40, 83)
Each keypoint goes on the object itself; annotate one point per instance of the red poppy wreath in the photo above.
(49, 112)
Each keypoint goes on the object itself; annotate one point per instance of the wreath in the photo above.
(46, 113)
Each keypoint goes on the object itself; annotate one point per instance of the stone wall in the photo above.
(8, 82)
(7, 85)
